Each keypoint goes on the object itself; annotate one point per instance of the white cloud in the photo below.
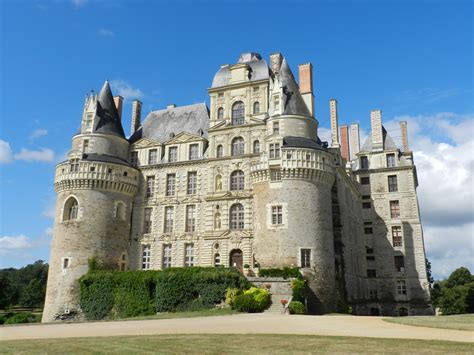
(40, 132)
(42, 155)
(125, 90)
(17, 242)
(106, 33)
(79, 3)
(5, 152)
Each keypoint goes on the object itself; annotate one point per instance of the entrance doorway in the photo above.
(236, 259)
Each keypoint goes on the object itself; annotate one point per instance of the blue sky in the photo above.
(412, 59)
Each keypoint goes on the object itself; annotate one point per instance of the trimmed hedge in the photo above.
(286, 272)
(119, 294)
(254, 300)
(296, 307)
(298, 287)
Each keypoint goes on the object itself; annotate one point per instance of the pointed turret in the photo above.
(293, 103)
(109, 119)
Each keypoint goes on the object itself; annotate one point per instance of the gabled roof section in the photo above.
(184, 137)
(388, 143)
(108, 117)
(145, 143)
(164, 124)
(293, 102)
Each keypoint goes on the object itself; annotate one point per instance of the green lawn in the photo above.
(459, 322)
(231, 343)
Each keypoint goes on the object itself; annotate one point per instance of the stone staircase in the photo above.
(276, 306)
(279, 288)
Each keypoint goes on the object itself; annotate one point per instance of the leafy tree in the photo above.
(456, 294)
(459, 277)
(429, 275)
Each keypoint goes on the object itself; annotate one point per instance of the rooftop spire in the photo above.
(109, 119)
(293, 102)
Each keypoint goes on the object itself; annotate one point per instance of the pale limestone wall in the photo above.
(101, 144)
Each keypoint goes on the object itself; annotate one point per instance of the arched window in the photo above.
(217, 259)
(237, 180)
(120, 211)
(237, 217)
(71, 207)
(220, 151)
(256, 147)
(256, 108)
(238, 113)
(220, 113)
(237, 146)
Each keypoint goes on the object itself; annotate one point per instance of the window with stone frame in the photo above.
(275, 175)
(146, 257)
(85, 145)
(256, 108)
(220, 151)
(399, 261)
(238, 146)
(65, 264)
(190, 218)
(371, 273)
(392, 183)
(220, 113)
(217, 259)
(391, 162)
(238, 113)
(150, 186)
(366, 205)
(193, 151)
(276, 128)
(169, 219)
(368, 230)
(74, 165)
(373, 295)
(401, 287)
(189, 254)
(236, 217)
(172, 154)
(147, 221)
(256, 147)
(237, 180)
(277, 215)
(152, 156)
(170, 184)
(134, 159)
(364, 162)
(276, 103)
(397, 238)
(274, 150)
(305, 258)
(394, 209)
(166, 262)
(192, 183)
(71, 209)
(365, 180)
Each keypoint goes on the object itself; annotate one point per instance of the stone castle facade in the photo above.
(246, 183)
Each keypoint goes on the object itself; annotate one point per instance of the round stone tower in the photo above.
(292, 193)
(95, 189)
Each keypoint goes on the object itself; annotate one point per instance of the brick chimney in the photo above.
(118, 100)
(344, 132)
(275, 62)
(377, 134)
(334, 124)
(355, 140)
(403, 128)
(136, 115)
(305, 73)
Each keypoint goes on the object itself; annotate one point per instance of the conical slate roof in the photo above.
(294, 104)
(109, 120)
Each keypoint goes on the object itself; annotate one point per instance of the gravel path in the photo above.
(242, 323)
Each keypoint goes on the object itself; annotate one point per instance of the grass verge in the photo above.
(232, 343)
(458, 322)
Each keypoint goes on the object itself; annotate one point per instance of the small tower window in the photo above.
(256, 108)
(238, 113)
(120, 211)
(220, 113)
(276, 128)
(71, 208)
(65, 263)
(305, 258)
(85, 145)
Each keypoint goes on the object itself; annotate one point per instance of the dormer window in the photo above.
(152, 156)
(238, 113)
(276, 128)
(173, 154)
(193, 151)
(220, 113)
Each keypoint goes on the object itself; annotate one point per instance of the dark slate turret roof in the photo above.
(161, 125)
(300, 142)
(109, 120)
(294, 104)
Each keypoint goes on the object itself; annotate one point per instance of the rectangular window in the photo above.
(366, 197)
(168, 227)
(391, 160)
(256, 88)
(146, 257)
(150, 186)
(366, 205)
(392, 183)
(305, 257)
(276, 128)
(65, 263)
(192, 183)
(74, 165)
(277, 215)
(371, 273)
(401, 287)
(368, 230)
(275, 175)
(190, 218)
(172, 154)
(370, 258)
(134, 159)
(147, 222)
(276, 102)
(152, 156)
(364, 162)
(193, 151)
(166, 256)
(369, 250)
(397, 238)
(85, 145)
(394, 209)
(274, 150)
(373, 294)
(189, 254)
(170, 184)
(365, 180)
(399, 263)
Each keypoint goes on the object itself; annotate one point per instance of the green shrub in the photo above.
(2, 319)
(298, 287)
(253, 300)
(286, 272)
(230, 295)
(343, 307)
(296, 307)
(21, 318)
(97, 297)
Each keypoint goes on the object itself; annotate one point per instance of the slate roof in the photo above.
(109, 120)
(294, 104)
(300, 142)
(259, 66)
(159, 125)
(388, 142)
(104, 158)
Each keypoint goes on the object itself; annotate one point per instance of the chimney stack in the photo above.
(334, 124)
(377, 134)
(355, 140)
(275, 62)
(118, 100)
(305, 73)
(403, 128)
(344, 132)
(136, 115)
